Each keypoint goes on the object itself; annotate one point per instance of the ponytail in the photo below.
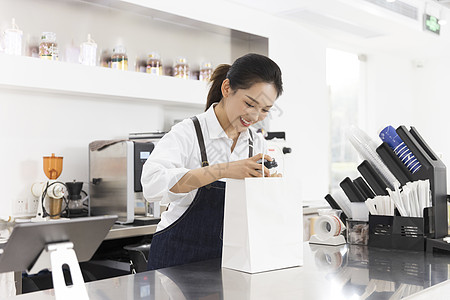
(215, 91)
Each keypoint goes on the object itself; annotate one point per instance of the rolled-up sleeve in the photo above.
(167, 164)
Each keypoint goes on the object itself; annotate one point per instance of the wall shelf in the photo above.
(27, 73)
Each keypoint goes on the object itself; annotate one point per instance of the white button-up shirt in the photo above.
(178, 152)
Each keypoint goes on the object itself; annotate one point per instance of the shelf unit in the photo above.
(20, 72)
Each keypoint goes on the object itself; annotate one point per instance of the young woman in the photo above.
(189, 165)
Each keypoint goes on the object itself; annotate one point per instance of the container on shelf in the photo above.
(72, 53)
(13, 39)
(194, 75)
(181, 68)
(154, 65)
(105, 59)
(88, 52)
(48, 48)
(119, 58)
(357, 232)
(206, 71)
(168, 70)
(31, 46)
(141, 65)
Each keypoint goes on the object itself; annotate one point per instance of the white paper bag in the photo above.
(262, 226)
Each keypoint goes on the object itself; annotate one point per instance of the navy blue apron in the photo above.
(197, 234)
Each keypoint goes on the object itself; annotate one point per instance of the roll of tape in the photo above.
(328, 226)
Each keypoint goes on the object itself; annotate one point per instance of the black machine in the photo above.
(77, 200)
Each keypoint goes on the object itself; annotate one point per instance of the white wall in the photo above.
(432, 106)
(390, 94)
(33, 125)
(410, 91)
(304, 110)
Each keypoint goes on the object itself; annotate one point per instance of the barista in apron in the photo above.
(187, 172)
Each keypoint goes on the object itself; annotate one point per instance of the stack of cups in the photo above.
(390, 136)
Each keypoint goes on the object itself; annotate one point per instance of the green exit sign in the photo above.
(431, 23)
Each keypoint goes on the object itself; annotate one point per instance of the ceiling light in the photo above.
(390, 1)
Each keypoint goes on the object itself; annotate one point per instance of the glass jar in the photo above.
(154, 65)
(119, 58)
(205, 71)
(88, 52)
(181, 69)
(48, 48)
(13, 39)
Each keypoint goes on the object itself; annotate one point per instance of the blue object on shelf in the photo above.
(390, 136)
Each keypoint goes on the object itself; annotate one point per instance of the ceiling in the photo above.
(367, 25)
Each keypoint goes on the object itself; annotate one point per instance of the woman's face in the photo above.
(246, 107)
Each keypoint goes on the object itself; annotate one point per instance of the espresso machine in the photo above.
(115, 169)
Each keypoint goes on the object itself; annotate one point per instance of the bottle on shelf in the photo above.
(181, 69)
(141, 65)
(105, 59)
(88, 52)
(119, 58)
(205, 71)
(13, 39)
(154, 65)
(48, 48)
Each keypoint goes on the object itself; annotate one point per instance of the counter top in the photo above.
(123, 231)
(342, 272)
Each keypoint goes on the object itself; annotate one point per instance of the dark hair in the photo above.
(246, 71)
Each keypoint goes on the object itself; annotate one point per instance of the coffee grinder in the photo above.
(52, 190)
(76, 206)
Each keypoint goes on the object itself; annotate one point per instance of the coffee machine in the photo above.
(115, 169)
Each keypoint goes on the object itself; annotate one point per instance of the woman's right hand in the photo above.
(249, 167)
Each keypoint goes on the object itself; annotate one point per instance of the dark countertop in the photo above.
(342, 272)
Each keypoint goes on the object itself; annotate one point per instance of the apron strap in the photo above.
(250, 144)
(201, 141)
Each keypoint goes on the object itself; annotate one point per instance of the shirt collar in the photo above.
(215, 129)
